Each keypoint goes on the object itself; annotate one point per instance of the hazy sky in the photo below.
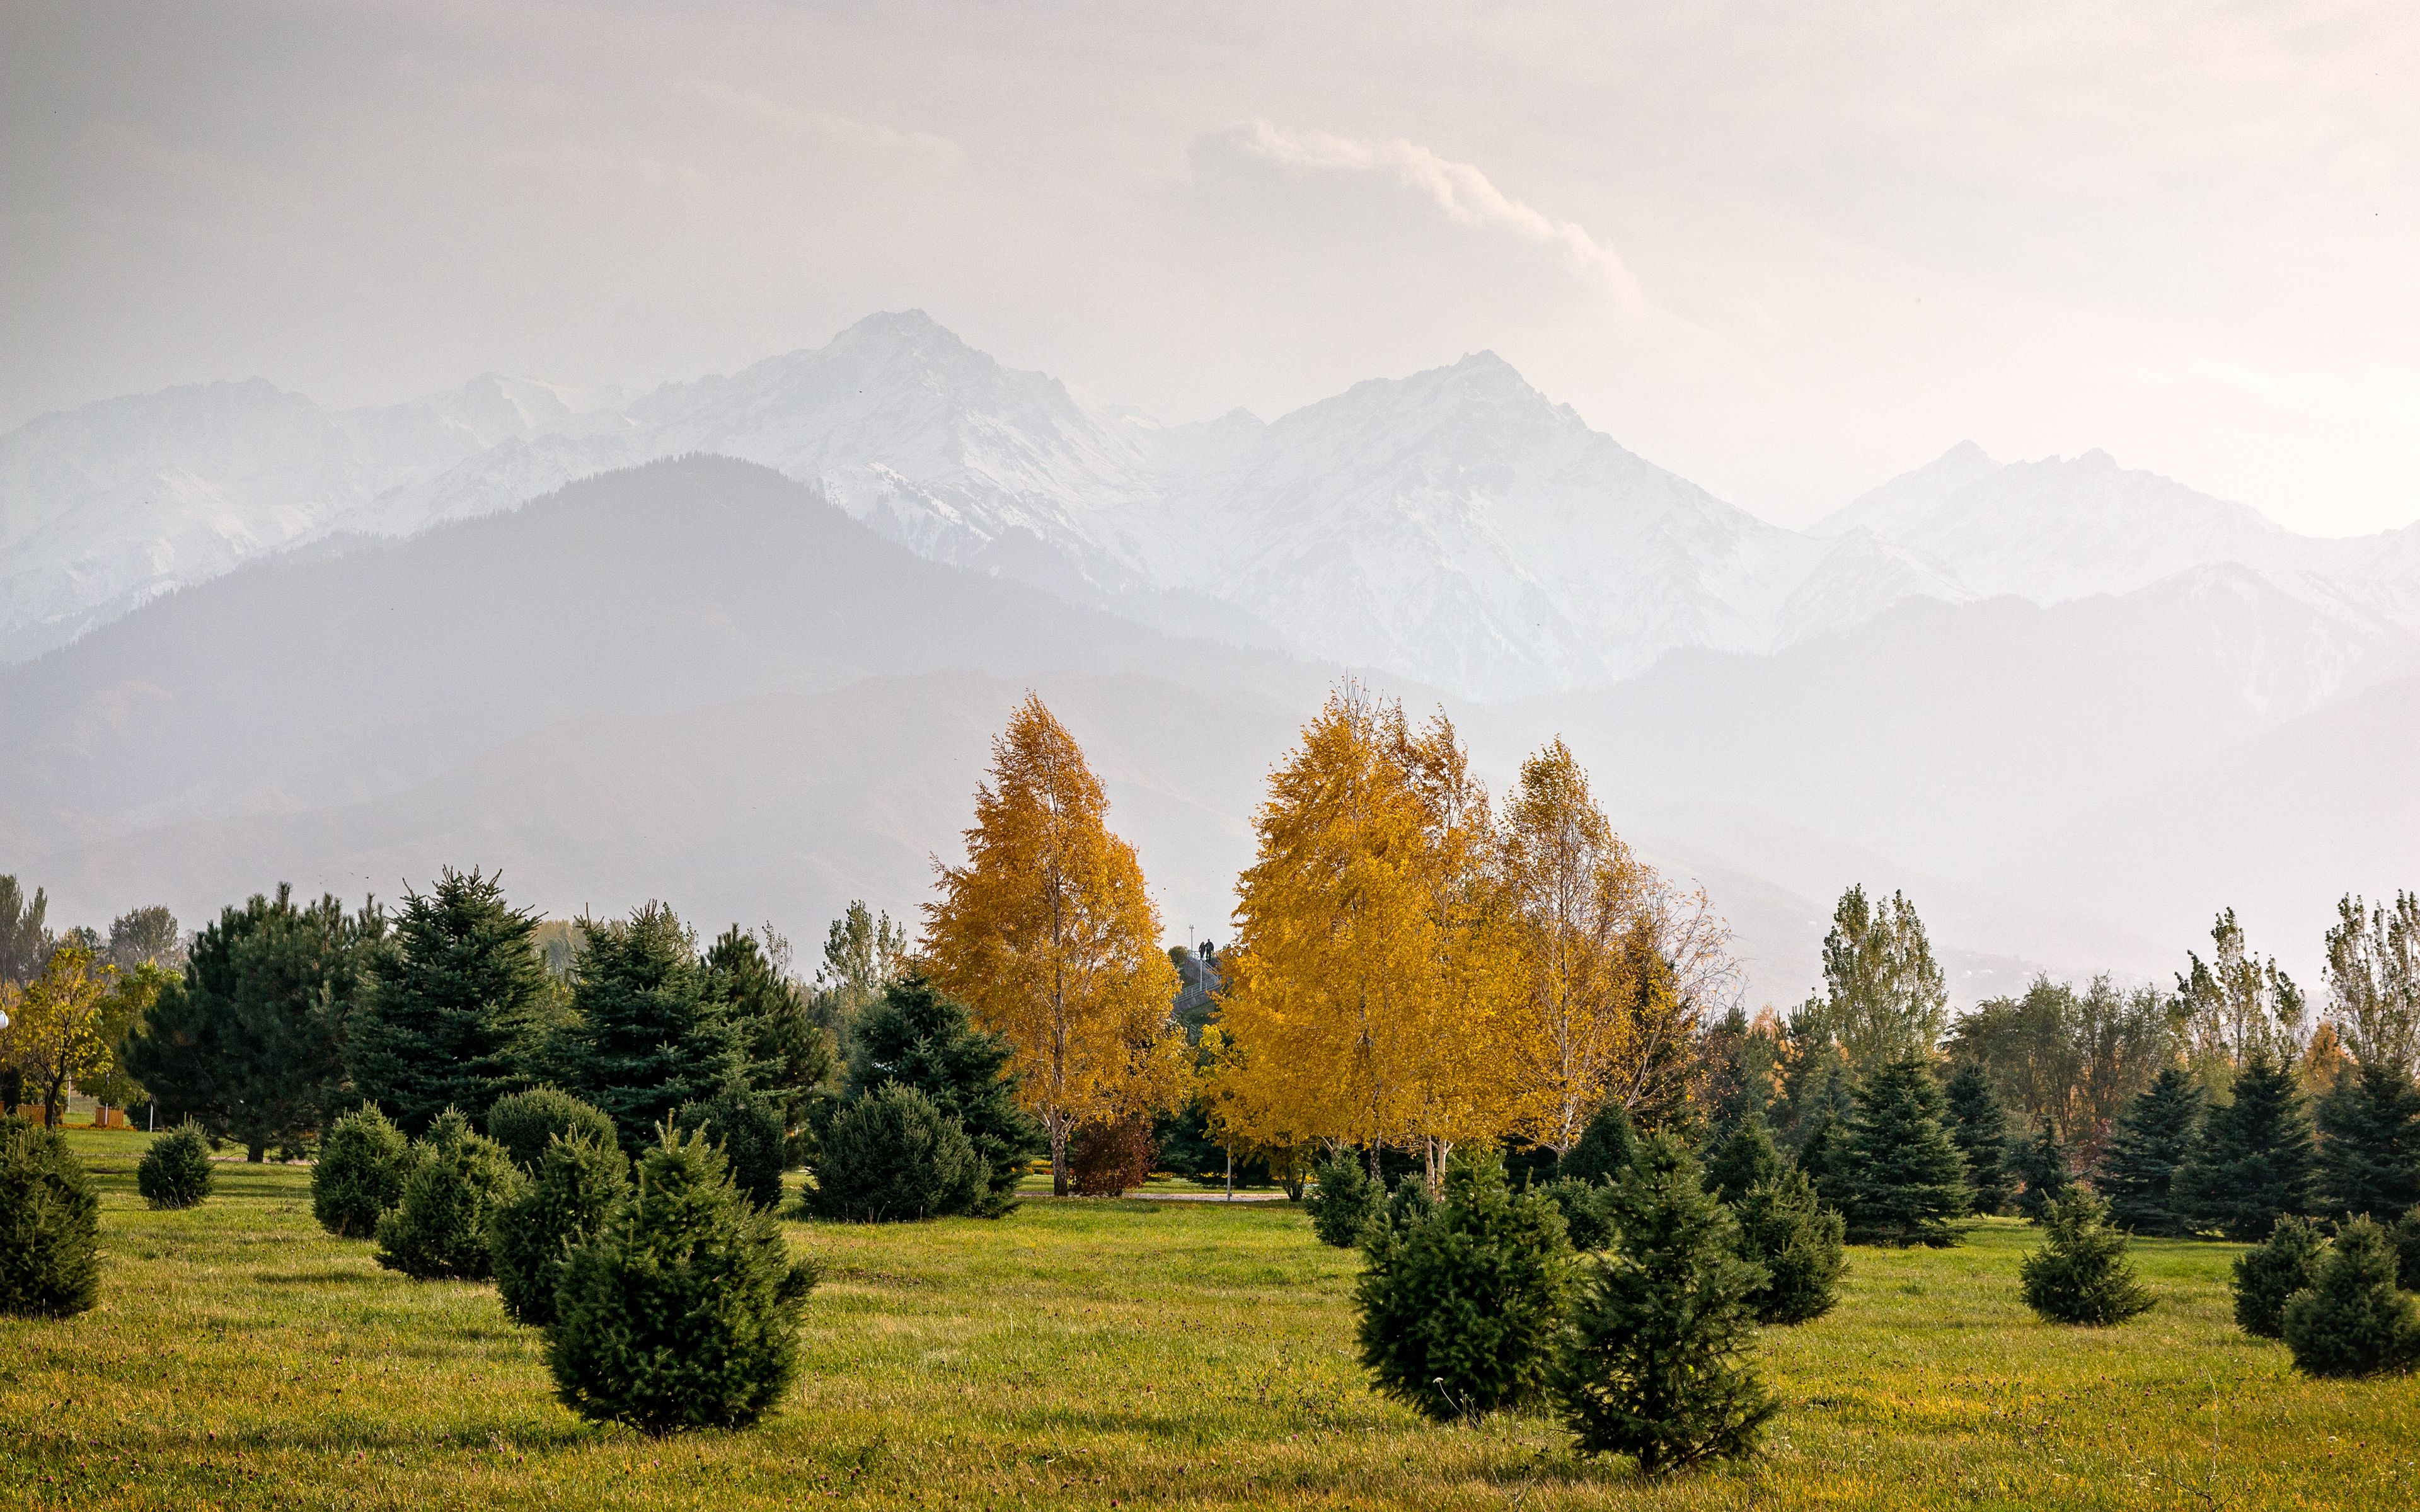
(1785, 250)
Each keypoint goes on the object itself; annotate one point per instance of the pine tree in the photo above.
(2082, 1274)
(2268, 1274)
(176, 1172)
(2157, 1134)
(2256, 1159)
(1050, 939)
(682, 1312)
(1746, 1158)
(248, 1039)
(439, 1228)
(789, 1055)
(1785, 1229)
(2407, 1250)
(2041, 1164)
(2369, 1144)
(892, 1156)
(1343, 1201)
(1823, 1157)
(525, 1123)
(1902, 1178)
(453, 1009)
(1586, 1208)
(914, 1036)
(359, 1174)
(1604, 1147)
(50, 1224)
(1979, 1124)
(577, 1182)
(2354, 1320)
(745, 1126)
(1657, 1362)
(1460, 1306)
(646, 1034)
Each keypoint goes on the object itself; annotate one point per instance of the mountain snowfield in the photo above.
(1455, 528)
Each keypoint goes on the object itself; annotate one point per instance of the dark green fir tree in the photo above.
(1602, 1152)
(915, 1036)
(1904, 1179)
(2354, 1320)
(790, 1056)
(454, 1009)
(2043, 1165)
(2157, 1134)
(2256, 1160)
(1978, 1122)
(647, 1031)
(1743, 1160)
(2369, 1144)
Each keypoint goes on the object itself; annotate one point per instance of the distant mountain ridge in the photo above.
(1454, 527)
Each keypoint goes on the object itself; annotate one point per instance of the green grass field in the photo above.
(1115, 1353)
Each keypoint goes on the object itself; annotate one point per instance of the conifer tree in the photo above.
(176, 1172)
(2082, 1274)
(1586, 1208)
(1823, 1157)
(1048, 936)
(890, 1156)
(1604, 1147)
(789, 1055)
(438, 1227)
(1902, 1178)
(2407, 1250)
(682, 1311)
(915, 1035)
(2256, 1160)
(526, 1122)
(746, 1125)
(1461, 1305)
(1743, 1160)
(2369, 1144)
(2156, 1134)
(1657, 1363)
(359, 1174)
(2354, 1320)
(646, 1034)
(1785, 1229)
(2041, 1164)
(1343, 1201)
(577, 1182)
(453, 1009)
(50, 1224)
(2268, 1274)
(1980, 1125)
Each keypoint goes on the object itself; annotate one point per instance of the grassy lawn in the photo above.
(1129, 1354)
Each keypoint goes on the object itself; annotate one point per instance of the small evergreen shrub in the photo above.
(526, 1122)
(1343, 1201)
(682, 1312)
(176, 1172)
(748, 1126)
(1745, 1159)
(1785, 1229)
(2081, 1274)
(1112, 1157)
(893, 1157)
(2268, 1274)
(359, 1173)
(2369, 1144)
(1900, 1177)
(1656, 1365)
(1605, 1147)
(1409, 1203)
(2354, 1320)
(2041, 1164)
(579, 1182)
(49, 1224)
(1461, 1305)
(439, 1229)
(1586, 1208)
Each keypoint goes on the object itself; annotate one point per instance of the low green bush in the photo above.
(1343, 1200)
(1786, 1229)
(2081, 1274)
(176, 1172)
(359, 1175)
(2268, 1274)
(49, 1224)
(748, 1127)
(579, 1182)
(892, 1156)
(526, 1122)
(439, 1229)
(2354, 1319)
(682, 1311)
(1586, 1208)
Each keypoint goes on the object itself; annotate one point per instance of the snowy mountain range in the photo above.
(1455, 528)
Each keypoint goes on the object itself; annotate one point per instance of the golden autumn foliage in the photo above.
(1048, 937)
(1411, 970)
(57, 1030)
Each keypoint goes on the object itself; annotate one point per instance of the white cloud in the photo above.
(1460, 190)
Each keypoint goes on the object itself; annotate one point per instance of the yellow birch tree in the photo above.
(1573, 895)
(56, 1032)
(1050, 938)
